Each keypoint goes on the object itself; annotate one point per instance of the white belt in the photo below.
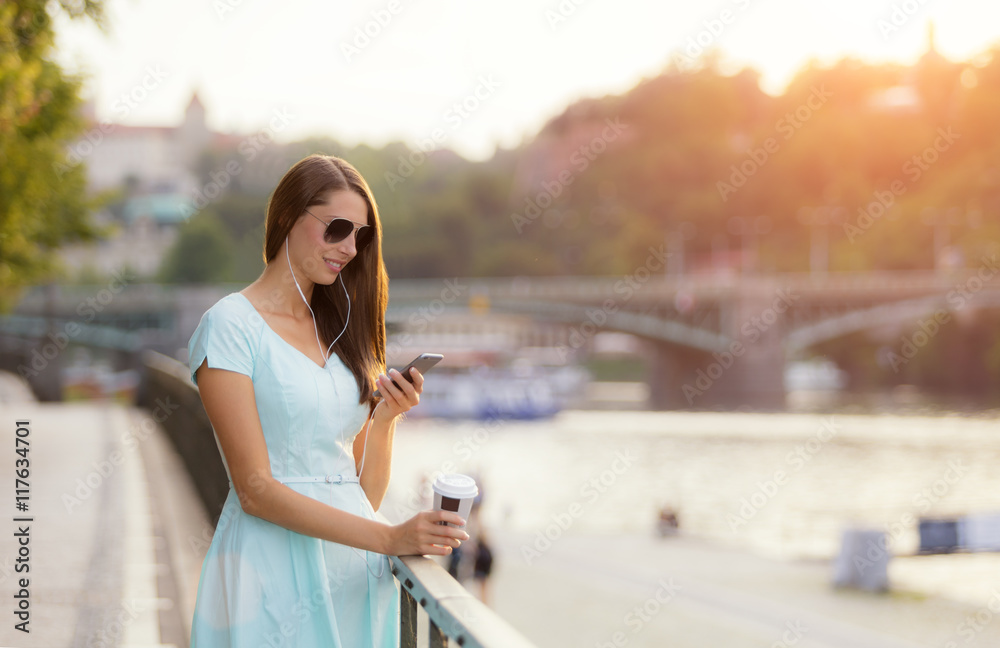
(330, 479)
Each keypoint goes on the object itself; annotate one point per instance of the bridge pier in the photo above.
(749, 373)
(669, 366)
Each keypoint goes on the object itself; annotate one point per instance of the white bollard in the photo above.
(863, 562)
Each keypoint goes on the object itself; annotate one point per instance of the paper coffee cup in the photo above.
(454, 492)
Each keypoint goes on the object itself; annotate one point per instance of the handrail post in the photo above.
(407, 620)
(438, 639)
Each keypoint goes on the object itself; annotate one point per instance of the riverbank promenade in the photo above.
(118, 534)
(641, 591)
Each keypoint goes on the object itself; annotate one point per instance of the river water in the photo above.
(783, 485)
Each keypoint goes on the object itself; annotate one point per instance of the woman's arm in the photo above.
(378, 454)
(232, 409)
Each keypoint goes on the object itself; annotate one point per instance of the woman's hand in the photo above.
(399, 399)
(421, 535)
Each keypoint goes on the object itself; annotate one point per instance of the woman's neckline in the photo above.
(276, 334)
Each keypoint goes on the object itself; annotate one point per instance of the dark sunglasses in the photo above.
(340, 228)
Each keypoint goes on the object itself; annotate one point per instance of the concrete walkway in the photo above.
(113, 524)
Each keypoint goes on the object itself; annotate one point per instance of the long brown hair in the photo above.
(362, 346)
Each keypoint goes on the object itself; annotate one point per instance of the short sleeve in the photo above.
(225, 336)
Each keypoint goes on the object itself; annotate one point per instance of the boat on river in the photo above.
(514, 389)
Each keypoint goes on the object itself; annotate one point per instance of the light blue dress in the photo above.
(262, 584)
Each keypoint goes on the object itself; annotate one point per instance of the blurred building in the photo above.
(146, 229)
(146, 158)
(155, 169)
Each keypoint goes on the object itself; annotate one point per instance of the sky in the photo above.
(470, 76)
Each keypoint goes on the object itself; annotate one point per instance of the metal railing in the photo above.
(453, 612)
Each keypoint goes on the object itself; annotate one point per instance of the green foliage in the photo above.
(240, 217)
(699, 152)
(203, 253)
(43, 200)
(693, 157)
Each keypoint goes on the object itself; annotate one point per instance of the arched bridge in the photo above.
(715, 339)
(718, 339)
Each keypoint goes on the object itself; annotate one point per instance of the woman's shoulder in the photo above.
(234, 309)
(234, 301)
(228, 336)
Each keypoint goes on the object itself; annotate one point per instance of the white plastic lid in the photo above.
(456, 486)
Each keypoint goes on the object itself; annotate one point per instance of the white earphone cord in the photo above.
(326, 358)
(325, 355)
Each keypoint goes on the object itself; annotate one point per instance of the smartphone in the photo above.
(422, 362)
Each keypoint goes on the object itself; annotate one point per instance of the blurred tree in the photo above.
(242, 217)
(705, 162)
(203, 252)
(43, 200)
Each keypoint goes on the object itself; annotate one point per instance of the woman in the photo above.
(287, 368)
